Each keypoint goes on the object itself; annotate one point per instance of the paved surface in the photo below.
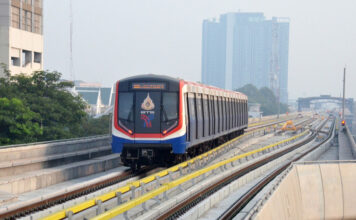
(345, 152)
(314, 191)
(10, 201)
(331, 154)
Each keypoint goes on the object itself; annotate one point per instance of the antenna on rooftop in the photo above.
(72, 75)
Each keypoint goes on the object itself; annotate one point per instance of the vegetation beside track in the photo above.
(265, 97)
(40, 107)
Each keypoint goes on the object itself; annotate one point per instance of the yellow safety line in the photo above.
(137, 183)
(167, 186)
(267, 121)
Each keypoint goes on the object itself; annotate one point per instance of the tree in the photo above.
(97, 126)
(40, 107)
(18, 124)
(60, 114)
(265, 97)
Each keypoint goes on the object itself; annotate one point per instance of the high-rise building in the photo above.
(245, 48)
(21, 38)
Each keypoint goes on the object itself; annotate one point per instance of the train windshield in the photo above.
(126, 110)
(169, 106)
(148, 111)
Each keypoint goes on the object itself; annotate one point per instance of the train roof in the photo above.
(198, 87)
(151, 77)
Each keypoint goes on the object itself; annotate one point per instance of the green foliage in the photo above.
(265, 97)
(40, 107)
(97, 126)
(18, 124)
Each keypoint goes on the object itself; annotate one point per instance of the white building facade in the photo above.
(21, 35)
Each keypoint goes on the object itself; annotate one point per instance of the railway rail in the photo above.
(122, 209)
(25, 210)
(239, 204)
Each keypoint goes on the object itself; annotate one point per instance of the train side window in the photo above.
(210, 115)
(244, 112)
(227, 113)
(239, 112)
(216, 115)
(233, 112)
(246, 115)
(211, 112)
(206, 115)
(186, 101)
(199, 113)
(192, 116)
(223, 114)
(220, 114)
(228, 110)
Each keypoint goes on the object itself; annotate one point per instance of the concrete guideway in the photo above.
(217, 204)
(314, 190)
(24, 168)
(150, 178)
(196, 176)
(34, 157)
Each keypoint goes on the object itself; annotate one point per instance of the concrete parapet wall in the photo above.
(352, 141)
(45, 149)
(44, 178)
(314, 191)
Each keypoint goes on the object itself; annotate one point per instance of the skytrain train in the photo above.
(163, 120)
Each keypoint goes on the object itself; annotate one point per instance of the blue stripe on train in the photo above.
(178, 144)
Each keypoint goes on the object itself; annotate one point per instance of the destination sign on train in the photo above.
(148, 86)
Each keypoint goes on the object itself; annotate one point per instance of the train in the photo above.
(161, 120)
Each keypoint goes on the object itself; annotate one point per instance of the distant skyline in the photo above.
(114, 39)
(245, 48)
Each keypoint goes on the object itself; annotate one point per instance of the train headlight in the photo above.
(168, 126)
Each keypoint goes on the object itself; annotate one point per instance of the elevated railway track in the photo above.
(13, 212)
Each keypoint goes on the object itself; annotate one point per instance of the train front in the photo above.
(147, 121)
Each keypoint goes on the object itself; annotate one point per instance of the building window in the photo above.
(15, 61)
(38, 3)
(15, 54)
(26, 20)
(23, 22)
(37, 57)
(26, 57)
(15, 17)
(29, 2)
(38, 24)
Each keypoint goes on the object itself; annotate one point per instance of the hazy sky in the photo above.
(116, 38)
